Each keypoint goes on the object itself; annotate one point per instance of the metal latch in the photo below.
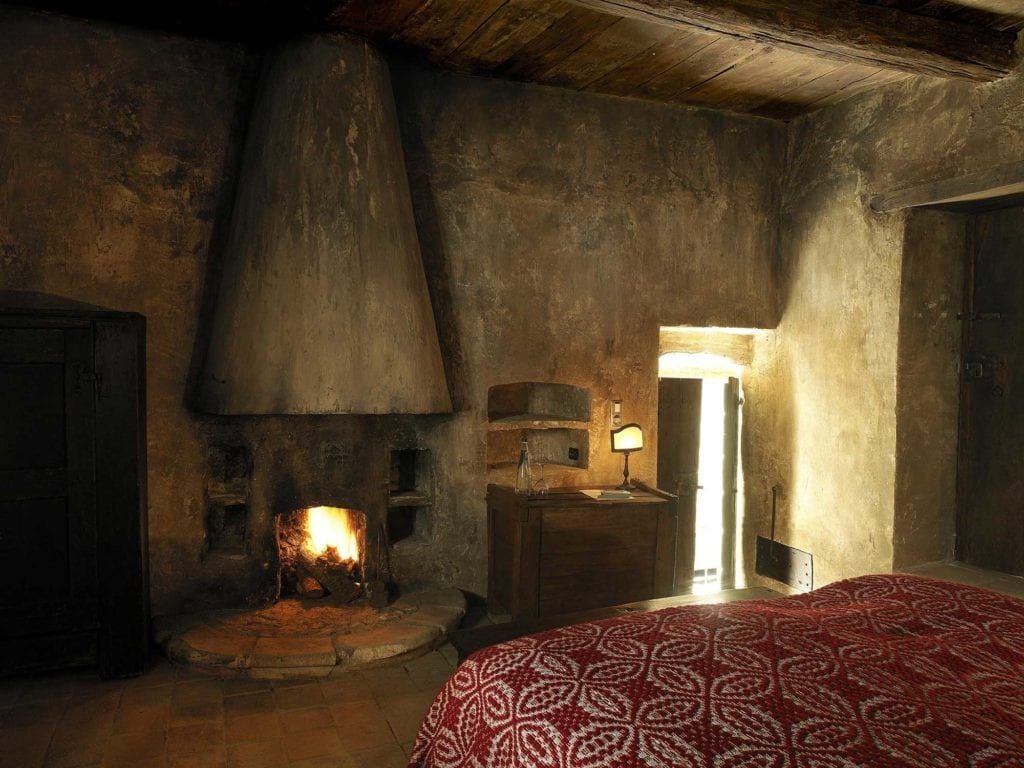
(976, 370)
(87, 378)
(980, 316)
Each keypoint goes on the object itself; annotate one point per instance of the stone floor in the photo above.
(968, 574)
(176, 718)
(173, 718)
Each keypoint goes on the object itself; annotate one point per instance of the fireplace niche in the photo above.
(321, 553)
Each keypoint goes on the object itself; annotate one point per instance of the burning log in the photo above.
(321, 550)
(310, 588)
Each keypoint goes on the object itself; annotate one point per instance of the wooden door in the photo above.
(730, 480)
(47, 507)
(679, 402)
(990, 508)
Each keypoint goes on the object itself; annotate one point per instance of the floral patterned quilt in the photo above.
(878, 671)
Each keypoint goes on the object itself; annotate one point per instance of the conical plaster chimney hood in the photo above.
(323, 304)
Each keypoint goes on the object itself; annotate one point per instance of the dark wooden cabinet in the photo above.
(73, 586)
(564, 551)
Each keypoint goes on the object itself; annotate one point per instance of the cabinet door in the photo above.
(598, 555)
(47, 505)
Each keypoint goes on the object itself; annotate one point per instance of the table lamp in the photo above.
(625, 440)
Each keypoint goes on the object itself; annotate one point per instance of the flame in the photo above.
(332, 528)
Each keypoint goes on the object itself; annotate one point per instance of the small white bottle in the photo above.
(524, 477)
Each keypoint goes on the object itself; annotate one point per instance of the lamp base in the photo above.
(626, 484)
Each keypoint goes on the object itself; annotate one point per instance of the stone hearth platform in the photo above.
(295, 638)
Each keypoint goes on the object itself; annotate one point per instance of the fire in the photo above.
(331, 528)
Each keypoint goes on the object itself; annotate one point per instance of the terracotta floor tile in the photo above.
(211, 757)
(256, 727)
(242, 686)
(157, 695)
(197, 700)
(141, 718)
(151, 762)
(388, 681)
(329, 761)
(48, 688)
(32, 715)
(430, 672)
(125, 748)
(91, 716)
(449, 654)
(294, 721)
(68, 739)
(24, 747)
(345, 688)
(257, 754)
(321, 743)
(359, 736)
(194, 738)
(205, 691)
(296, 696)
(197, 713)
(88, 685)
(388, 756)
(161, 673)
(405, 713)
(249, 704)
(76, 754)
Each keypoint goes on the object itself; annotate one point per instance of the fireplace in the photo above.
(321, 553)
(305, 578)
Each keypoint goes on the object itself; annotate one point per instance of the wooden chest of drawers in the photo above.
(564, 551)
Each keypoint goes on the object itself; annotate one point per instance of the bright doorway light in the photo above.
(714, 372)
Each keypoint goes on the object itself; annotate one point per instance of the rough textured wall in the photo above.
(928, 387)
(114, 149)
(560, 230)
(840, 268)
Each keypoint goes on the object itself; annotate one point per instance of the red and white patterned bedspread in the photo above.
(875, 671)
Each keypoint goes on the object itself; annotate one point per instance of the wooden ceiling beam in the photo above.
(845, 30)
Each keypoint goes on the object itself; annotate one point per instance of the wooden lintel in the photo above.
(992, 183)
(846, 30)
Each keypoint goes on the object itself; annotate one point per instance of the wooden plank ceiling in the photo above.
(582, 45)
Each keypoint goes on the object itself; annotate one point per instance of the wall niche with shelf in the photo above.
(537, 401)
(542, 413)
(410, 495)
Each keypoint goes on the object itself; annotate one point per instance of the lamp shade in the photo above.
(627, 438)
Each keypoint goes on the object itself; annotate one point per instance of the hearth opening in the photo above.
(322, 552)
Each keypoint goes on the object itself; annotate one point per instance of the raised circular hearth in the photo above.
(294, 638)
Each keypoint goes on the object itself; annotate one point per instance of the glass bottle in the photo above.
(541, 486)
(524, 478)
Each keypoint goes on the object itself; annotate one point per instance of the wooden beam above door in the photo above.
(843, 30)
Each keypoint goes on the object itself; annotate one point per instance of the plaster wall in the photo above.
(559, 231)
(116, 149)
(840, 293)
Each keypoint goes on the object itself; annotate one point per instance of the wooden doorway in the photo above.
(990, 487)
(698, 457)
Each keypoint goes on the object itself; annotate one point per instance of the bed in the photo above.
(876, 671)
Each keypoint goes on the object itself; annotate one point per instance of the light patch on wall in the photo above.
(697, 365)
(714, 371)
